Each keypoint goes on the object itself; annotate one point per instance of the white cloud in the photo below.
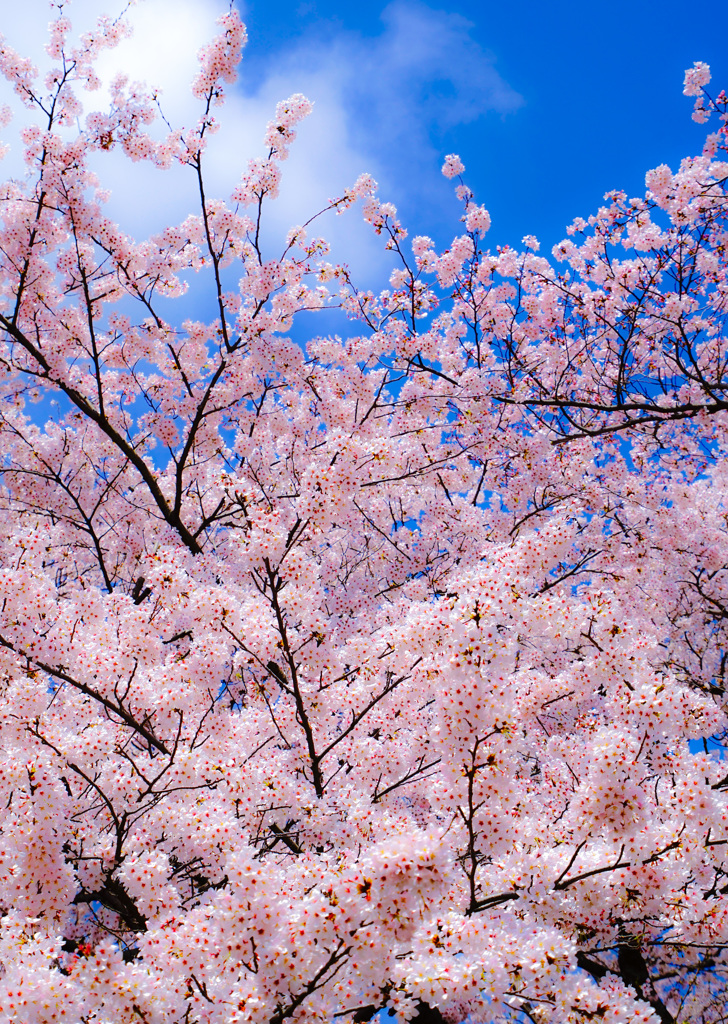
(383, 102)
(380, 104)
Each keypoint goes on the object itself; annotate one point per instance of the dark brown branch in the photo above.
(115, 709)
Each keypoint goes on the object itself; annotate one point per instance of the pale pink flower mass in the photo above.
(453, 166)
(375, 672)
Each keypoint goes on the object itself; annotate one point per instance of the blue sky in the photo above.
(549, 105)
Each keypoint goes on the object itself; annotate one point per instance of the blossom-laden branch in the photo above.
(386, 671)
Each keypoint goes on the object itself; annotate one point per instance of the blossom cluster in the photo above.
(384, 672)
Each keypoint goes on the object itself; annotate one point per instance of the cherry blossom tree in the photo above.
(384, 673)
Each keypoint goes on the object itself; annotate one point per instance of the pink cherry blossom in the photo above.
(696, 78)
(477, 219)
(219, 59)
(383, 671)
(453, 166)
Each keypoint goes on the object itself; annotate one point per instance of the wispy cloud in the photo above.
(389, 98)
(423, 73)
(383, 103)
